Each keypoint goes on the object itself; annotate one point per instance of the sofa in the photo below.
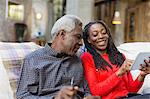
(11, 58)
(12, 55)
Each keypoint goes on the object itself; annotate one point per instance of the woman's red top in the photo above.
(106, 83)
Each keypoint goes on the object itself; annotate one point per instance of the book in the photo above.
(140, 60)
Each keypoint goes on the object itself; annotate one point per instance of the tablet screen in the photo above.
(140, 60)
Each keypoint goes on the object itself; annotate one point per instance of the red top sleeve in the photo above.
(133, 86)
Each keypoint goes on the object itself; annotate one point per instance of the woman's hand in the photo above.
(126, 66)
(145, 69)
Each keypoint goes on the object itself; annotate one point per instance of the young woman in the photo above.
(106, 69)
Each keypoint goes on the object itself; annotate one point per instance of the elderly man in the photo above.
(55, 71)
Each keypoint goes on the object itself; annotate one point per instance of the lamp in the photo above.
(116, 19)
(38, 16)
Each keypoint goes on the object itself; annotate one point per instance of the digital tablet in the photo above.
(140, 60)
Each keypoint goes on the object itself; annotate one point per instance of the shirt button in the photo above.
(96, 70)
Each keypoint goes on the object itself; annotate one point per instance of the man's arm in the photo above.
(86, 88)
(28, 86)
(28, 83)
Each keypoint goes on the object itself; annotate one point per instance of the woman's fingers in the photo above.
(128, 64)
(147, 63)
(145, 68)
(129, 61)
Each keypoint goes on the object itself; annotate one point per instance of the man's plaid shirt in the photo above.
(44, 72)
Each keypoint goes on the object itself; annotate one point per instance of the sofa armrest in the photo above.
(5, 90)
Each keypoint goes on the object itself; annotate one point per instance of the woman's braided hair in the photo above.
(115, 57)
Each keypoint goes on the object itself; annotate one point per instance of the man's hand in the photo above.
(67, 92)
(92, 97)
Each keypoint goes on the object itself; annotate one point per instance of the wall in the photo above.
(7, 32)
(28, 17)
(119, 29)
(81, 8)
(2, 18)
(42, 25)
(145, 36)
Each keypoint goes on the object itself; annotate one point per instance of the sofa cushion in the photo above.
(5, 90)
(12, 55)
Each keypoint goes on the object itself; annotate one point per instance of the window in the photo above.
(15, 11)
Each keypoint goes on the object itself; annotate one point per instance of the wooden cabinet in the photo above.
(138, 22)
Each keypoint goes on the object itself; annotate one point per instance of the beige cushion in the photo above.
(5, 89)
(12, 55)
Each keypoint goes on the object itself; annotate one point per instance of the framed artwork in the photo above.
(14, 11)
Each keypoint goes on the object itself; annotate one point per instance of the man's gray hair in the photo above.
(67, 23)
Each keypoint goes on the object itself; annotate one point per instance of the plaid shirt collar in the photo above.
(52, 52)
